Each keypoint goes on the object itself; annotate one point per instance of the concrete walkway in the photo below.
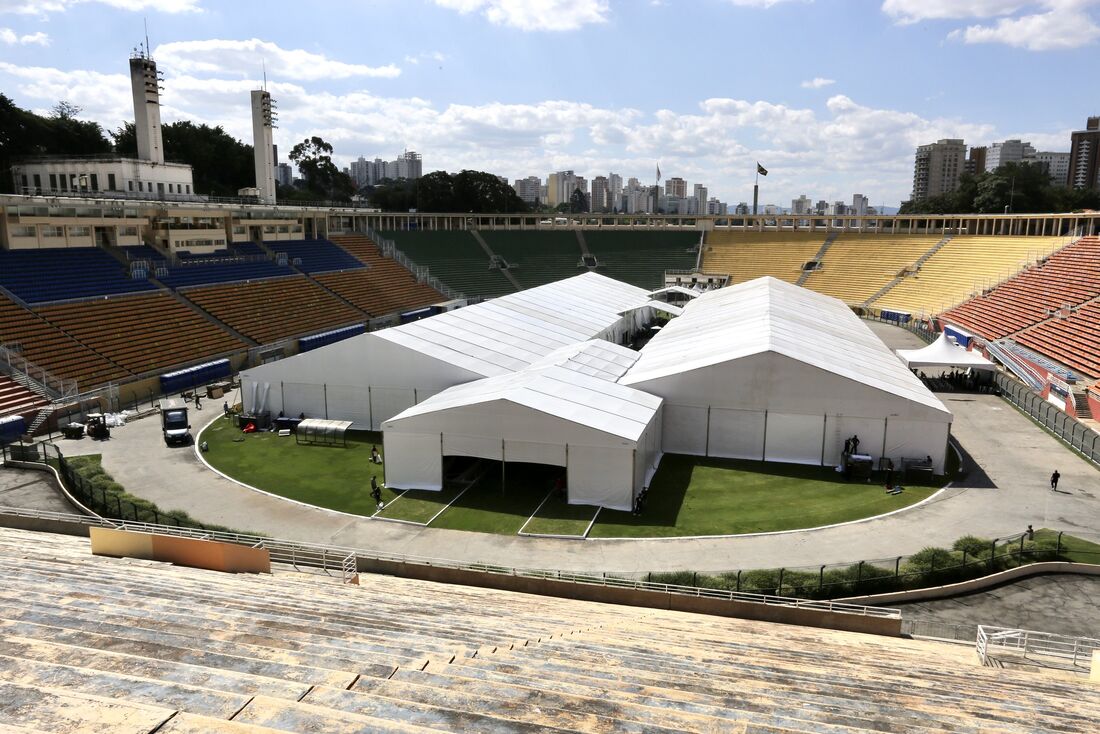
(1006, 491)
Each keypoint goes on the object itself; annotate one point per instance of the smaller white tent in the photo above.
(944, 354)
(565, 410)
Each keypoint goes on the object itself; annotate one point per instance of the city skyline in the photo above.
(471, 84)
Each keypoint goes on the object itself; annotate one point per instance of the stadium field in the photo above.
(689, 495)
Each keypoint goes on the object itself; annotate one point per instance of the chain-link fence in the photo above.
(1077, 435)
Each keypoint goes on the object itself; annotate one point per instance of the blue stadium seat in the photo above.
(317, 256)
(41, 276)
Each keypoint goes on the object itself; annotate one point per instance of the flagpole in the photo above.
(756, 190)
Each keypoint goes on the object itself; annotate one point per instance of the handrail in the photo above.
(339, 558)
(1032, 642)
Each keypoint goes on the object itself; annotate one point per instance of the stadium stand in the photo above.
(748, 255)
(16, 399)
(50, 348)
(94, 643)
(316, 256)
(142, 333)
(1067, 278)
(536, 258)
(963, 267)
(855, 267)
(269, 310)
(641, 258)
(1072, 339)
(242, 264)
(385, 286)
(41, 276)
(455, 258)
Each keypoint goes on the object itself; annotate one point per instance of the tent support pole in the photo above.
(824, 434)
(706, 444)
(764, 447)
(370, 409)
(503, 469)
(885, 428)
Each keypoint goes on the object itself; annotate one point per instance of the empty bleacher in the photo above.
(641, 257)
(1072, 338)
(856, 266)
(40, 276)
(385, 286)
(964, 267)
(142, 333)
(15, 399)
(52, 349)
(315, 256)
(749, 255)
(1069, 277)
(90, 643)
(536, 258)
(243, 262)
(269, 310)
(455, 258)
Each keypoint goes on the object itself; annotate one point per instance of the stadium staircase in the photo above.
(908, 271)
(829, 239)
(92, 643)
(536, 258)
(749, 255)
(495, 258)
(641, 257)
(585, 252)
(456, 259)
(17, 398)
(1081, 404)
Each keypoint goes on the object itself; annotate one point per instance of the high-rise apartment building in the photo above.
(859, 205)
(528, 189)
(600, 200)
(615, 191)
(676, 187)
(1055, 164)
(975, 162)
(1084, 156)
(1010, 151)
(559, 187)
(801, 205)
(937, 168)
(699, 195)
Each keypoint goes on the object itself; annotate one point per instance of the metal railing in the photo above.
(423, 273)
(341, 560)
(1075, 434)
(1077, 650)
(33, 377)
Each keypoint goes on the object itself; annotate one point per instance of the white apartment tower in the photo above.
(145, 85)
(263, 154)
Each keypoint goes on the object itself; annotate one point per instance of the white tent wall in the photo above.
(871, 432)
(719, 411)
(413, 461)
(793, 438)
(375, 378)
(601, 475)
(916, 439)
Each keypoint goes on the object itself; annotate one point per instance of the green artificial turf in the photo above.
(699, 496)
(327, 476)
(418, 505)
(487, 508)
(558, 517)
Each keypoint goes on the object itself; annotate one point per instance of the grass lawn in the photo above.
(699, 496)
(418, 505)
(486, 508)
(558, 517)
(326, 476)
(1074, 549)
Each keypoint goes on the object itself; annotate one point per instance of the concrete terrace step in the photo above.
(302, 717)
(63, 711)
(184, 723)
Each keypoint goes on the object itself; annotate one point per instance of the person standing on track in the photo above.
(1054, 481)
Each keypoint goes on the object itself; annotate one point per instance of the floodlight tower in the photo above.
(145, 84)
(263, 123)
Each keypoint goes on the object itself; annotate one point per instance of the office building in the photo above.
(1055, 164)
(1084, 156)
(528, 189)
(600, 200)
(1010, 151)
(676, 187)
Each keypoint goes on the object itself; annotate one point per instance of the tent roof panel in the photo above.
(944, 353)
(516, 330)
(767, 314)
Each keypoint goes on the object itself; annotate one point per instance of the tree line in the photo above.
(1021, 187)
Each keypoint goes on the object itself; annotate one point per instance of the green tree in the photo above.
(221, 165)
(313, 156)
(578, 201)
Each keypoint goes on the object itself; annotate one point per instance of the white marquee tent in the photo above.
(768, 370)
(372, 377)
(564, 410)
(944, 354)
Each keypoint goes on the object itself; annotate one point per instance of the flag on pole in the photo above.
(761, 170)
(659, 171)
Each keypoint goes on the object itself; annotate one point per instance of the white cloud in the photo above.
(45, 7)
(1064, 25)
(436, 56)
(914, 11)
(535, 15)
(759, 3)
(218, 56)
(817, 83)
(1036, 25)
(10, 37)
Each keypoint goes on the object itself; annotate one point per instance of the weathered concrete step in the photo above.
(188, 655)
(490, 719)
(134, 688)
(303, 717)
(62, 712)
(184, 723)
(162, 670)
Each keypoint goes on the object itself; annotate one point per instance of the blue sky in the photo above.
(831, 95)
